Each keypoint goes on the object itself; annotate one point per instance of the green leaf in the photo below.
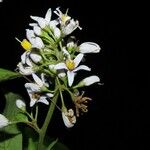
(10, 136)
(52, 144)
(8, 75)
(59, 146)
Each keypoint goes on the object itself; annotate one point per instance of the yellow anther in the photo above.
(26, 44)
(70, 64)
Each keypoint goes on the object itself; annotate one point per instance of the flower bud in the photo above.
(20, 104)
(90, 80)
(37, 30)
(3, 121)
(89, 47)
(87, 81)
(35, 57)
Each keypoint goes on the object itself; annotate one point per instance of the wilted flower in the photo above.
(68, 117)
(81, 103)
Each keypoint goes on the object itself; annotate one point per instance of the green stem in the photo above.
(47, 121)
(60, 91)
(36, 113)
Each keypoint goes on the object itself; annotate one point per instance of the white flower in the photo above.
(90, 80)
(20, 104)
(3, 121)
(34, 91)
(43, 22)
(72, 66)
(69, 118)
(69, 28)
(89, 47)
(63, 18)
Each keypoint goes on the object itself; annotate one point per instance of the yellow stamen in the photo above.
(70, 64)
(26, 44)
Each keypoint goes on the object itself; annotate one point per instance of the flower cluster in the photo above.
(52, 60)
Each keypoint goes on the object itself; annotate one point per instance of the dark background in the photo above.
(118, 116)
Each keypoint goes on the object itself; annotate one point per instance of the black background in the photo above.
(118, 116)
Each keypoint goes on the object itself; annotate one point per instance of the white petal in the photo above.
(35, 18)
(57, 32)
(68, 29)
(67, 123)
(23, 57)
(31, 87)
(44, 80)
(20, 104)
(28, 62)
(37, 80)
(48, 15)
(60, 66)
(35, 57)
(32, 102)
(37, 30)
(82, 67)
(70, 75)
(38, 43)
(58, 12)
(3, 121)
(43, 100)
(24, 70)
(33, 24)
(30, 35)
(41, 21)
(90, 80)
(78, 59)
(53, 24)
(89, 47)
(49, 94)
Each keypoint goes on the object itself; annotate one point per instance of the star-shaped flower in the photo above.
(72, 67)
(43, 22)
(35, 91)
